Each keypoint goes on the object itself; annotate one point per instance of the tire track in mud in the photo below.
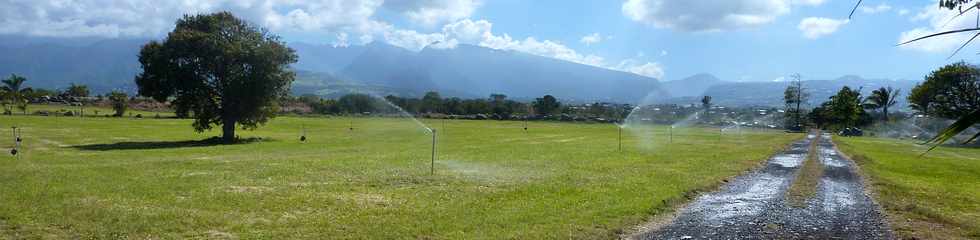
(753, 206)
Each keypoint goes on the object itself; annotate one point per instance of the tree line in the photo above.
(496, 106)
(950, 92)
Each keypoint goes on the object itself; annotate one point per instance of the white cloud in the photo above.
(880, 8)
(649, 69)
(341, 40)
(434, 12)
(810, 2)
(591, 39)
(816, 27)
(903, 12)
(663, 53)
(123, 18)
(480, 33)
(701, 16)
(937, 20)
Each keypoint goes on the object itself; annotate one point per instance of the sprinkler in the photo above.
(432, 163)
(525, 123)
(620, 138)
(302, 137)
(670, 136)
(351, 126)
(17, 140)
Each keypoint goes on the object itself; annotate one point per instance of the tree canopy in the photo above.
(546, 105)
(77, 90)
(951, 91)
(882, 98)
(222, 69)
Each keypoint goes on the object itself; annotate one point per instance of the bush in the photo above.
(119, 101)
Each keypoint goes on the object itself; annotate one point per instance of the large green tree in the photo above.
(951, 91)
(224, 70)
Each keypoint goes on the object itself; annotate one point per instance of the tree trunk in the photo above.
(228, 131)
(885, 111)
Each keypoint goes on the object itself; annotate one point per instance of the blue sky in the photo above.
(736, 40)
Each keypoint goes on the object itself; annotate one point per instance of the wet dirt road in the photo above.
(753, 206)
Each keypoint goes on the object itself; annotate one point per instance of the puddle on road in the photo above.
(788, 160)
(741, 202)
(836, 195)
(829, 158)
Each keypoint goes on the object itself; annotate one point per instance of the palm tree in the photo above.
(15, 92)
(882, 98)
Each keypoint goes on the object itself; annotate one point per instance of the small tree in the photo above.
(706, 104)
(882, 98)
(77, 91)
(794, 97)
(15, 93)
(498, 104)
(546, 105)
(119, 101)
(226, 71)
(431, 102)
(845, 107)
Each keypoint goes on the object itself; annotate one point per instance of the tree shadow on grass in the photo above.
(215, 141)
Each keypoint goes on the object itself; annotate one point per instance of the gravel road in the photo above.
(753, 206)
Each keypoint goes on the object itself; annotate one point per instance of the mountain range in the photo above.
(463, 71)
(771, 93)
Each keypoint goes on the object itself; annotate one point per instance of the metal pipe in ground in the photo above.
(432, 164)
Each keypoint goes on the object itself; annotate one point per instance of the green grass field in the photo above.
(936, 196)
(152, 178)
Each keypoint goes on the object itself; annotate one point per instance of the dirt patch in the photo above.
(366, 199)
(248, 189)
(215, 234)
(191, 174)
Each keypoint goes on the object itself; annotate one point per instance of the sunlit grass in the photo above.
(149, 178)
(936, 196)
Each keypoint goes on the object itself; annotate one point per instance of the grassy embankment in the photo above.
(936, 196)
(152, 178)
